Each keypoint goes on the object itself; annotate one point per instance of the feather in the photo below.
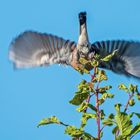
(31, 49)
(127, 59)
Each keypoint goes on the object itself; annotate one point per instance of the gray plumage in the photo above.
(31, 49)
(127, 59)
(37, 49)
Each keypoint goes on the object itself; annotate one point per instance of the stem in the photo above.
(102, 128)
(127, 104)
(64, 124)
(88, 100)
(94, 73)
(132, 136)
(92, 77)
(98, 114)
(98, 109)
(97, 103)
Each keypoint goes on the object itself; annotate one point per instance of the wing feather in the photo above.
(127, 59)
(31, 49)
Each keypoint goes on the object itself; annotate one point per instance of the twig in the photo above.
(64, 124)
(127, 104)
(102, 128)
(98, 110)
(98, 114)
(92, 77)
(88, 100)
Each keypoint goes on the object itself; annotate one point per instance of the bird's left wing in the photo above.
(127, 59)
(38, 49)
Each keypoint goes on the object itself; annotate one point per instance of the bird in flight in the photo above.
(32, 49)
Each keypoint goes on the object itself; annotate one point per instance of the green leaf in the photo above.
(123, 87)
(85, 105)
(95, 63)
(104, 97)
(86, 71)
(92, 107)
(131, 102)
(73, 131)
(138, 115)
(117, 107)
(101, 134)
(51, 120)
(79, 98)
(135, 130)
(120, 137)
(134, 113)
(103, 89)
(136, 89)
(107, 95)
(87, 136)
(80, 70)
(86, 117)
(114, 130)
(138, 96)
(95, 79)
(101, 101)
(82, 107)
(83, 61)
(102, 75)
(128, 138)
(108, 57)
(108, 122)
(83, 82)
(102, 114)
(85, 87)
(111, 116)
(131, 88)
(124, 124)
(86, 65)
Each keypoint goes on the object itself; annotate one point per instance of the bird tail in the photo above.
(83, 40)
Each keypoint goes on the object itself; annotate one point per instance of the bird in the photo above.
(34, 49)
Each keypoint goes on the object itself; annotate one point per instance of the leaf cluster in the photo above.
(121, 121)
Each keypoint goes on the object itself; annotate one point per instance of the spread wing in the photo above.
(127, 59)
(31, 49)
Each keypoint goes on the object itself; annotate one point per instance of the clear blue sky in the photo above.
(27, 96)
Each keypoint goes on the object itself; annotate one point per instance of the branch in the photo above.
(127, 104)
(92, 77)
(98, 114)
(98, 109)
(102, 128)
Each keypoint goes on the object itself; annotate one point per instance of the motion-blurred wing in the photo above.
(127, 59)
(38, 49)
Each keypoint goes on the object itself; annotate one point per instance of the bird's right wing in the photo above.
(38, 49)
(127, 59)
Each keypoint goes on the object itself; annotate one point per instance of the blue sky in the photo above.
(28, 95)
